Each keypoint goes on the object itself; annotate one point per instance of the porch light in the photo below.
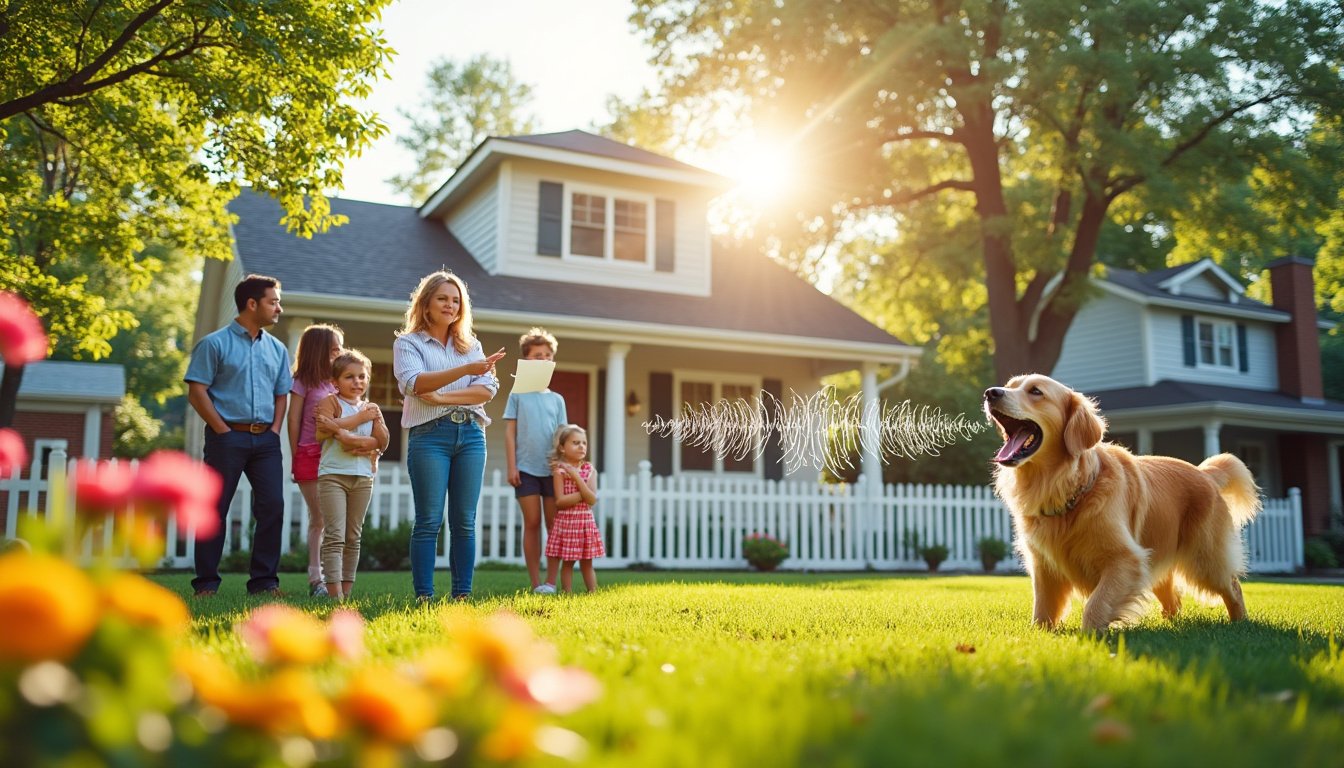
(632, 404)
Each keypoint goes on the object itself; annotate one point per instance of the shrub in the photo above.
(238, 561)
(764, 551)
(991, 551)
(386, 549)
(934, 555)
(1318, 554)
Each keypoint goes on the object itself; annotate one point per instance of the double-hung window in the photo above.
(1216, 344)
(699, 393)
(611, 225)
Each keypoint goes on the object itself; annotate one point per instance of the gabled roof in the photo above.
(1148, 288)
(1183, 273)
(377, 258)
(75, 382)
(575, 148)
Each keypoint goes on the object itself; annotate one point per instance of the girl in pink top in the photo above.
(574, 535)
(318, 347)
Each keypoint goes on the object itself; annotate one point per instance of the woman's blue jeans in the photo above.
(445, 459)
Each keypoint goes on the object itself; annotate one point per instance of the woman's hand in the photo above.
(482, 367)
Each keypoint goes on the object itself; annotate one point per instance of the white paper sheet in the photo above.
(532, 376)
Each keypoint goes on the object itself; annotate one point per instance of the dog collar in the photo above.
(1074, 499)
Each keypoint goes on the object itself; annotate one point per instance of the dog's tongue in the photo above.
(1012, 446)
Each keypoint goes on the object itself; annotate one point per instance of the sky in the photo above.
(573, 53)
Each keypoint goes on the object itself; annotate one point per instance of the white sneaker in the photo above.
(545, 589)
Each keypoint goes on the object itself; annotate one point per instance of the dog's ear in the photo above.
(1083, 425)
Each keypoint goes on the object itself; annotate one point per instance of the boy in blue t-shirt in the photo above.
(530, 421)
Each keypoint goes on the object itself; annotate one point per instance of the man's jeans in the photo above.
(232, 455)
(444, 458)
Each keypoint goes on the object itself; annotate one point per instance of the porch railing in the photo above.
(699, 521)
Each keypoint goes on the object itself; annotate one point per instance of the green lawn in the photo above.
(732, 669)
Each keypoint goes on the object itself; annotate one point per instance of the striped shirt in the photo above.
(417, 353)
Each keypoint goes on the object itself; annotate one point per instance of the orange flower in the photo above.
(22, 339)
(13, 453)
(48, 608)
(387, 705)
(285, 704)
(513, 738)
(279, 634)
(446, 672)
(143, 602)
(503, 643)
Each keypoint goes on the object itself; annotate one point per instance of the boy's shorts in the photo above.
(532, 485)
(305, 463)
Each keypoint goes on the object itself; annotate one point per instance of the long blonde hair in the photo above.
(460, 332)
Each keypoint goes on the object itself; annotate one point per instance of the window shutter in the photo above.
(773, 456)
(1242, 362)
(550, 217)
(665, 236)
(660, 404)
(1188, 339)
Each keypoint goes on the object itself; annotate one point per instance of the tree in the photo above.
(125, 125)
(467, 103)
(1004, 138)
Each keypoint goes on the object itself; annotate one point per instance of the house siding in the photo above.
(689, 276)
(1104, 348)
(475, 224)
(1168, 355)
(1204, 287)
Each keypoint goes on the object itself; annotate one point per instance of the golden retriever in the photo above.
(1094, 518)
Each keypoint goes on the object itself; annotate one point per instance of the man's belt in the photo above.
(255, 429)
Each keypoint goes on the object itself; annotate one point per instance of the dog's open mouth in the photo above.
(1021, 439)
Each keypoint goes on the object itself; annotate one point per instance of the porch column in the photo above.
(1212, 445)
(871, 460)
(93, 432)
(613, 417)
(1145, 445)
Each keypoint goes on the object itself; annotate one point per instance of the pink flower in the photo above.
(22, 340)
(13, 453)
(346, 631)
(103, 486)
(178, 482)
(562, 690)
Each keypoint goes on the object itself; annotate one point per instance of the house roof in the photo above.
(576, 148)
(1166, 399)
(1153, 285)
(76, 382)
(384, 250)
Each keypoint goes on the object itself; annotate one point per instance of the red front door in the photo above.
(573, 386)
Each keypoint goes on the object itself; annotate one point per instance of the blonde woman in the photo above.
(447, 379)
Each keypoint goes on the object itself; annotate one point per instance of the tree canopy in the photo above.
(126, 125)
(1007, 140)
(466, 103)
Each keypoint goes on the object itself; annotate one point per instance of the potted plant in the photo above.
(991, 551)
(934, 555)
(764, 551)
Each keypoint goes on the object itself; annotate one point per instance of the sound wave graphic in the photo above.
(818, 431)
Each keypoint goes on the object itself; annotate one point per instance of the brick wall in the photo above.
(1298, 341)
(35, 425)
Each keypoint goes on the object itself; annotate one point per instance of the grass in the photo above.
(734, 669)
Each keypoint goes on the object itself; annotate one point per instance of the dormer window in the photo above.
(610, 225)
(1217, 344)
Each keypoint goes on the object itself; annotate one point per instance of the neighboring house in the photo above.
(65, 405)
(1184, 364)
(605, 245)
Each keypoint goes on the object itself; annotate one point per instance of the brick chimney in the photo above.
(1298, 341)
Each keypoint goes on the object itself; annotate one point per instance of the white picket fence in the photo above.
(700, 521)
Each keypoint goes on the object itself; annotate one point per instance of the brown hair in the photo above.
(348, 357)
(562, 434)
(536, 336)
(459, 332)
(310, 362)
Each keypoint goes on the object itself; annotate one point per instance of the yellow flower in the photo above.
(143, 602)
(513, 738)
(279, 634)
(48, 608)
(444, 671)
(387, 705)
(503, 643)
(285, 704)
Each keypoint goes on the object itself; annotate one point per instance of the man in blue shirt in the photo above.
(238, 381)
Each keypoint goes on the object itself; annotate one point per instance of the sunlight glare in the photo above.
(764, 170)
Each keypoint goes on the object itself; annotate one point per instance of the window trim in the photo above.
(1214, 324)
(610, 194)
(716, 379)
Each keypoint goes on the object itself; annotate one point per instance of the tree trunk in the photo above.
(9, 393)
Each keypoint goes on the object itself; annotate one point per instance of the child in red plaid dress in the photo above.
(574, 535)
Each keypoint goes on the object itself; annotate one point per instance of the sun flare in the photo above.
(765, 170)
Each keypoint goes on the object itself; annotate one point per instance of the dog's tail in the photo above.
(1236, 485)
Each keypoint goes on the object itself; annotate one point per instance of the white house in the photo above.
(1184, 364)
